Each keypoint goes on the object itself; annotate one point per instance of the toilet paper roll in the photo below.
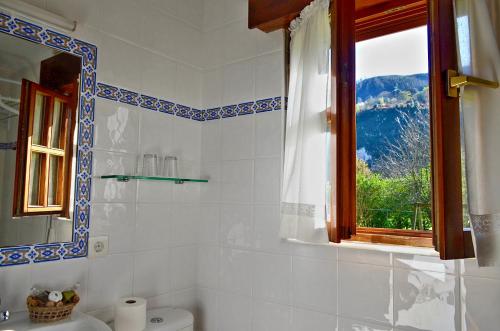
(130, 314)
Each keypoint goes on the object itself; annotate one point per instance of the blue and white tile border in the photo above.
(8, 146)
(122, 95)
(78, 248)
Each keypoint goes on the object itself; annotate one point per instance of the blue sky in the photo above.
(402, 53)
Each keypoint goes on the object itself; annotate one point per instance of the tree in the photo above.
(410, 158)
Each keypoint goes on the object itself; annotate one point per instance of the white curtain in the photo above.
(303, 206)
(478, 24)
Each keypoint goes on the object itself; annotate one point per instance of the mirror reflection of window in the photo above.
(39, 89)
(44, 152)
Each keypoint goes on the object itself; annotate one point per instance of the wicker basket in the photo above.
(50, 314)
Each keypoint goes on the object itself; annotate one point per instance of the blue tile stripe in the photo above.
(118, 94)
(245, 108)
(78, 248)
(8, 146)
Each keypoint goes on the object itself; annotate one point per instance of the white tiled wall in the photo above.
(151, 225)
(214, 248)
(250, 280)
(150, 47)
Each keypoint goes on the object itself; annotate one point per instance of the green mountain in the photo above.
(381, 103)
(382, 85)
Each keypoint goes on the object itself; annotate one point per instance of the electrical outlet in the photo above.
(98, 246)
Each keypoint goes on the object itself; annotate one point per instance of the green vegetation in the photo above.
(390, 202)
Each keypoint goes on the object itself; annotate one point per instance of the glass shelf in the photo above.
(126, 178)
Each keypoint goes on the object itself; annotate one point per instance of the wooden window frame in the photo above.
(448, 236)
(342, 119)
(393, 237)
(387, 18)
(25, 148)
(375, 22)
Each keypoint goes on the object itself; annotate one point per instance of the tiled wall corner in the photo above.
(214, 248)
(149, 67)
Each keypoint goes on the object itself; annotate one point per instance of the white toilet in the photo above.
(168, 319)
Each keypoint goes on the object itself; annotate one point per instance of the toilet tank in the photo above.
(169, 319)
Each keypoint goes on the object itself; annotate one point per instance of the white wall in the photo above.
(151, 47)
(213, 248)
(250, 280)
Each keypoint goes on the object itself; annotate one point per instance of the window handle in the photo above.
(456, 81)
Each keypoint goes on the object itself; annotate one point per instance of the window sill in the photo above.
(399, 249)
(386, 248)
(394, 237)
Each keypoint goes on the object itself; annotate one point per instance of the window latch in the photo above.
(456, 80)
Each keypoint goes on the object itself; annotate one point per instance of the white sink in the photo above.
(77, 322)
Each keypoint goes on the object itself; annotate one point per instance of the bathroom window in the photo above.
(399, 158)
(44, 152)
(443, 224)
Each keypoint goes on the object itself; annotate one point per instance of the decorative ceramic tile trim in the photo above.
(245, 108)
(166, 107)
(110, 92)
(182, 111)
(149, 103)
(8, 146)
(229, 111)
(212, 114)
(129, 97)
(197, 115)
(78, 248)
(267, 105)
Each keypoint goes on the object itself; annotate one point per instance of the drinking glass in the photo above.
(150, 165)
(170, 167)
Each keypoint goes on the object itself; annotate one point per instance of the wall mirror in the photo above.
(47, 86)
(38, 100)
